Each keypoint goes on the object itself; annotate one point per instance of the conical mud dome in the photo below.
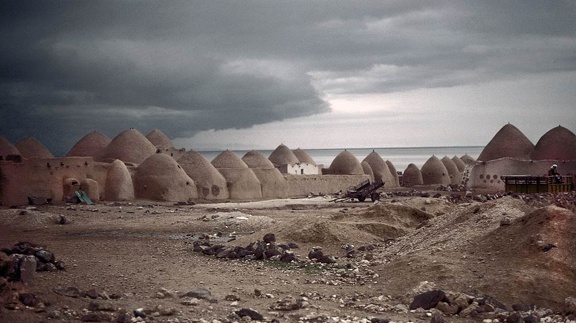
(394, 173)
(557, 144)
(159, 139)
(380, 169)
(282, 155)
(255, 159)
(273, 183)
(29, 147)
(241, 181)
(434, 172)
(367, 170)
(160, 178)
(412, 176)
(119, 186)
(6, 148)
(453, 172)
(459, 163)
(209, 182)
(508, 142)
(468, 160)
(128, 146)
(346, 164)
(91, 145)
(303, 156)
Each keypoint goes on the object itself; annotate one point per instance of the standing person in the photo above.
(554, 173)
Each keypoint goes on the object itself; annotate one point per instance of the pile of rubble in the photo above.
(17, 267)
(265, 249)
(22, 260)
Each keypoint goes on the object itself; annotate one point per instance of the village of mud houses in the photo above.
(133, 229)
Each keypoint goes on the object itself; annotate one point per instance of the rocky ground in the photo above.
(411, 257)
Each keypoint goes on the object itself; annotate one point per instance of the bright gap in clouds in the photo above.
(457, 116)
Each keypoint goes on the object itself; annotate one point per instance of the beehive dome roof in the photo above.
(282, 155)
(508, 142)
(412, 176)
(119, 185)
(29, 147)
(459, 163)
(467, 159)
(367, 170)
(160, 177)
(7, 148)
(558, 143)
(228, 159)
(453, 172)
(255, 159)
(91, 145)
(393, 171)
(380, 169)
(303, 156)
(346, 163)
(209, 182)
(434, 172)
(159, 139)
(128, 146)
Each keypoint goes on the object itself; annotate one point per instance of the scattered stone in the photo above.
(437, 318)
(139, 312)
(190, 302)
(27, 266)
(69, 291)
(269, 237)
(427, 300)
(570, 306)
(101, 306)
(29, 299)
(252, 314)
(200, 293)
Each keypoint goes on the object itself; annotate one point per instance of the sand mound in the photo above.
(537, 251)
(377, 224)
(499, 247)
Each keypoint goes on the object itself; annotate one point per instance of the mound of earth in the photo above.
(503, 248)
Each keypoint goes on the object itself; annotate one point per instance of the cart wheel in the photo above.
(361, 198)
(375, 197)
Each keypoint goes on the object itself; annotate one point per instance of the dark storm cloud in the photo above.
(69, 67)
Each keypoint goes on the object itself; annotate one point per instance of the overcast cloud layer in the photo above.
(191, 67)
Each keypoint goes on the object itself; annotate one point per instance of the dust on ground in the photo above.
(142, 253)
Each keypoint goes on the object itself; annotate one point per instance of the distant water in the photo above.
(399, 156)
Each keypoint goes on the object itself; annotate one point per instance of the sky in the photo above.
(308, 74)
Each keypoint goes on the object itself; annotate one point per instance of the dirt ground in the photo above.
(140, 255)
